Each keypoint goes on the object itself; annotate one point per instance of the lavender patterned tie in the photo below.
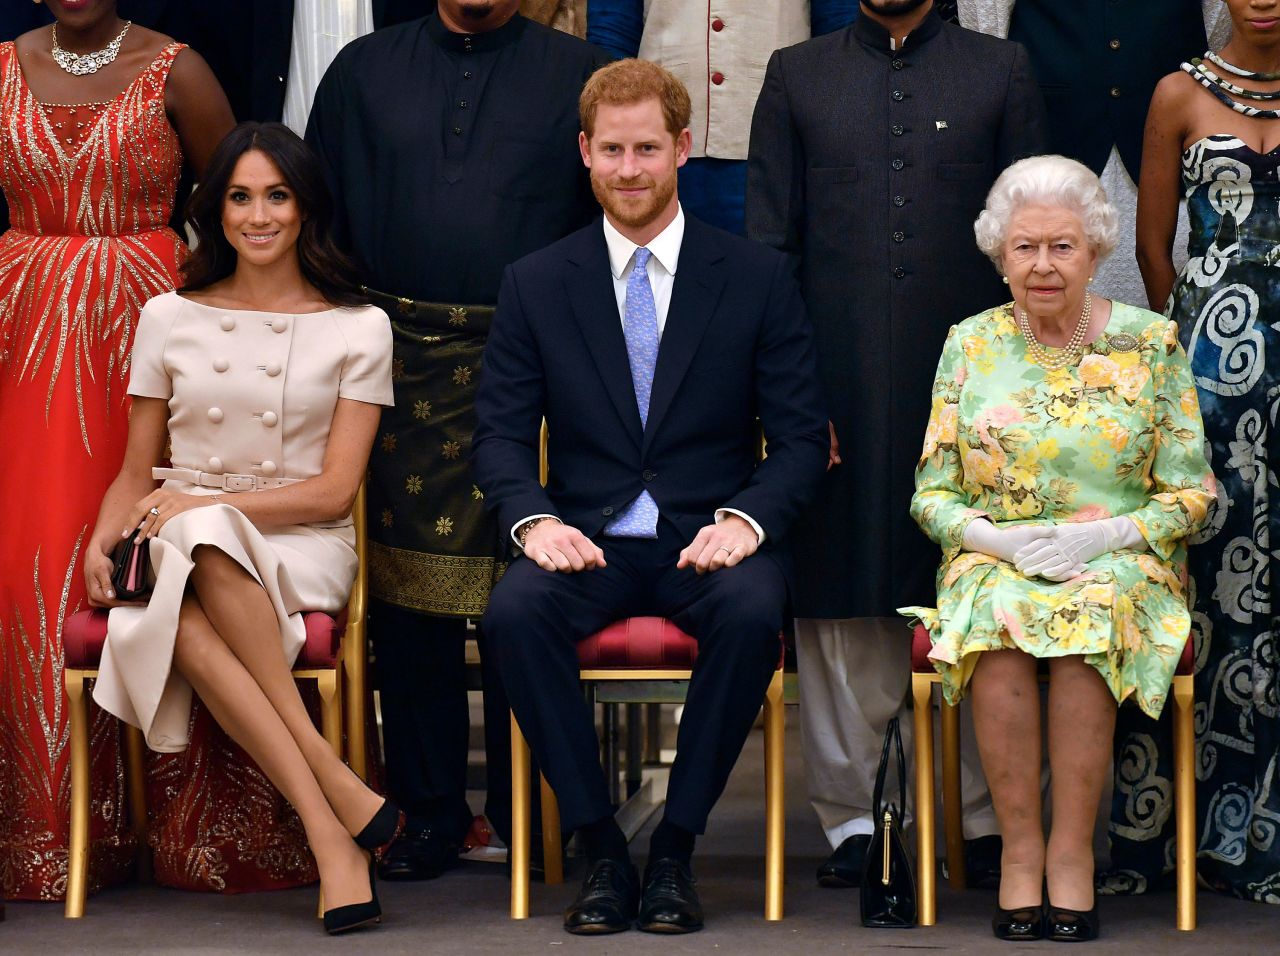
(640, 327)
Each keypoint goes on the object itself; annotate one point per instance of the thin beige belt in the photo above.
(225, 482)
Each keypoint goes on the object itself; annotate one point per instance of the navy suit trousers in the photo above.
(536, 617)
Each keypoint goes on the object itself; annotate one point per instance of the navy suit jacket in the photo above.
(736, 346)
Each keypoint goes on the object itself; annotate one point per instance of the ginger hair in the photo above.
(625, 82)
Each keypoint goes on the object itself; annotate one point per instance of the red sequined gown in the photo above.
(90, 191)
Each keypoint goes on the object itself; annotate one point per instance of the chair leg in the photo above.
(356, 667)
(518, 854)
(952, 803)
(330, 715)
(135, 751)
(78, 851)
(922, 699)
(774, 798)
(552, 851)
(1184, 755)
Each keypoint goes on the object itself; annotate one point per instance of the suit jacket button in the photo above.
(648, 475)
(607, 512)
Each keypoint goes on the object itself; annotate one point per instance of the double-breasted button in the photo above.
(220, 364)
(897, 164)
(215, 466)
(1114, 44)
(268, 467)
(899, 200)
(279, 324)
(899, 273)
(269, 419)
(215, 414)
(717, 78)
(648, 474)
(227, 322)
(273, 369)
(899, 237)
(607, 512)
(1115, 92)
(898, 96)
(898, 130)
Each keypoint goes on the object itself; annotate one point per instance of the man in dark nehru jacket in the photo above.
(872, 151)
(450, 142)
(650, 343)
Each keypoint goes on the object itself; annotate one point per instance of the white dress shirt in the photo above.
(664, 259)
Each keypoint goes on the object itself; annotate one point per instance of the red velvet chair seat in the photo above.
(921, 664)
(637, 643)
(85, 632)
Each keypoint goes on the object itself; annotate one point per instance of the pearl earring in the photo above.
(1004, 279)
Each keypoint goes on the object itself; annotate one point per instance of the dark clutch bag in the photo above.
(888, 883)
(131, 569)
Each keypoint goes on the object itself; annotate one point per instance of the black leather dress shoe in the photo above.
(606, 902)
(669, 903)
(418, 855)
(1072, 926)
(1022, 925)
(844, 866)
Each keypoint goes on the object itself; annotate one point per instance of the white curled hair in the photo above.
(1047, 181)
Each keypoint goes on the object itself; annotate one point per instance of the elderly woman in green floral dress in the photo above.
(1062, 469)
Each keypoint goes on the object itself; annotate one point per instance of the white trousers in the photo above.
(855, 675)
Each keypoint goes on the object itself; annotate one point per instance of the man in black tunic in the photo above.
(451, 145)
(872, 151)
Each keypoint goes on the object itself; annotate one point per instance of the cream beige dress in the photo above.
(250, 394)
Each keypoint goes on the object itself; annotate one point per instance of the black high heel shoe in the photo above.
(1021, 925)
(382, 830)
(1072, 926)
(343, 919)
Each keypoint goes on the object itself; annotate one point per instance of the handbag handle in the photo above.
(892, 742)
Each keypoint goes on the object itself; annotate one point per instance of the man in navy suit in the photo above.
(651, 343)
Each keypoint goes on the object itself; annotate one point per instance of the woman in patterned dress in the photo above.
(1062, 469)
(90, 150)
(1213, 135)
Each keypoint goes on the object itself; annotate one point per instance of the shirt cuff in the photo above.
(516, 527)
(721, 512)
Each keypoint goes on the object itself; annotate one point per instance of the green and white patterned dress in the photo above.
(1119, 434)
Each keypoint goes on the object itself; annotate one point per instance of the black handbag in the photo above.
(888, 883)
(131, 569)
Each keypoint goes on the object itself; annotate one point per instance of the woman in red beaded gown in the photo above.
(94, 123)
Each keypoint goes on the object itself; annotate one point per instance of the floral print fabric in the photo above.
(1119, 434)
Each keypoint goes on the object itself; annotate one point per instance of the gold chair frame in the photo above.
(521, 767)
(351, 662)
(1183, 699)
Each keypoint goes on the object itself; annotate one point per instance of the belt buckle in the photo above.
(239, 483)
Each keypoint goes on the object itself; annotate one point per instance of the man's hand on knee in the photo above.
(720, 546)
(559, 547)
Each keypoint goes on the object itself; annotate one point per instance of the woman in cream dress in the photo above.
(266, 375)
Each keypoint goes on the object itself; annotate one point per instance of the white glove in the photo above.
(1070, 547)
(1003, 543)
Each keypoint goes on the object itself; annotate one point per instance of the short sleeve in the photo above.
(148, 377)
(366, 373)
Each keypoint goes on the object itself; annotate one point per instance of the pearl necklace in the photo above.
(78, 64)
(1064, 357)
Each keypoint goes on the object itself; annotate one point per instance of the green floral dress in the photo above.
(1119, 434)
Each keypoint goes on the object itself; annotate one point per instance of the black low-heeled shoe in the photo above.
(1022, 925)
(1072, 926)
(343, 919)
(381, 830)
